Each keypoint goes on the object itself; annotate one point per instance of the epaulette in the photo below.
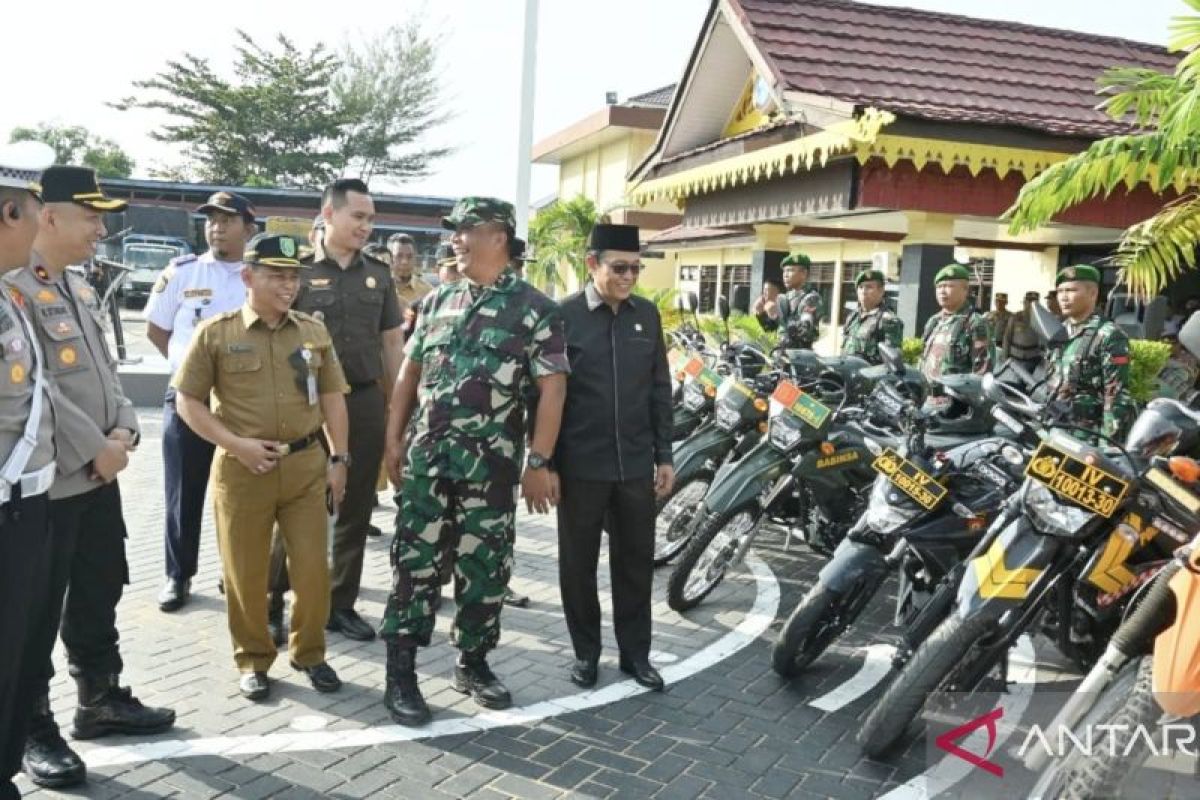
(369, 257)
(305, 317)
(179, 261)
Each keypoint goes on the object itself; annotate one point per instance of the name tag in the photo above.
(487, 312)
(451, 312)
(241, 348)
(320, 283)
(190, 293)
(53, 311)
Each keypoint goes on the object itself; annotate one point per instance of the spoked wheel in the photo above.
(709, 555)
(674, 524)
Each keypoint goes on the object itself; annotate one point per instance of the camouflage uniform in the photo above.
(864, 332)
(998, 321)
(800, 313)
(1090, 375)
(477, 347)
(956, 343)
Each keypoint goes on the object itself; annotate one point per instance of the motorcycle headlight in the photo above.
(693, 397)
(1052, 514)
(728, 418)
(785, 432)
(885, 512)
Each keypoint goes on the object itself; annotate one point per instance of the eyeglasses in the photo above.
(620, 268)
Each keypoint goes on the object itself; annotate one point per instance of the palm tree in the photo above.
(1163, 150)
(558, 236)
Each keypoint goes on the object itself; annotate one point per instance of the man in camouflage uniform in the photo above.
(957, 338)
(798, 313)
(872, 323)
(475, 344)
(1089, 374)
(999, 318)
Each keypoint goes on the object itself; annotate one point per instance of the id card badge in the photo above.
(311, 382)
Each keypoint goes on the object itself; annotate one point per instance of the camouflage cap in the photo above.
(796, 260)
(477, 210)
(273, 251)
(870, 275)
(952, 272)
(1078, 272)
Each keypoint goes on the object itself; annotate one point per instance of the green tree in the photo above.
(272, 125)
(558, 236)
(1163, 150)
(74, 145)
(390, 96)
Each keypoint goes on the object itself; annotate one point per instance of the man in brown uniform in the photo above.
(96, 428)
(410, 288)
(353, 295)
(275, 378)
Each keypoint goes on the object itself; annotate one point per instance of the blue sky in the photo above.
(586, 47)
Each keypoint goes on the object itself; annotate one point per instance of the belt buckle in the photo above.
(284, 449)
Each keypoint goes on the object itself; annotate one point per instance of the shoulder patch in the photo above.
(179, 261)
(370, 259)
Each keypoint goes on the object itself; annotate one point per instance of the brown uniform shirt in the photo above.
(65, 313)
(259, 376)
(413, 292)
(357, 305)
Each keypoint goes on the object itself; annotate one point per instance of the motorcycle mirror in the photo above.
(992, 389)
(691, 302)
(680, 303)
(723, 308)
(1047, 326)
(1189, 335)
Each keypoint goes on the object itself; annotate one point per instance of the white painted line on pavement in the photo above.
(875, 668)
(756, 621)
(1022, 675)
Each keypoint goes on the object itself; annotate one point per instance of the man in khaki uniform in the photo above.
(275, 379)
(410, 288)
(96, 428)
(26, 458)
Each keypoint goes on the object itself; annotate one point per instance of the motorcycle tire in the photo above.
(671, 537)
(685, 590)
(820, 618)
(901, 704)
(1128, 701)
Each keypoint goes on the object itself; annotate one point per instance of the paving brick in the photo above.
(468, 780)
(614, 760)
(685, 787)
(665, 768)
(571, 774)
(525, 788)
(559, 752)
(627, 785)
(776, 783)
(517, 765)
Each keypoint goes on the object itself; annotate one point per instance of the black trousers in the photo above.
(24, 586)
(88, 574)
(367, 409)
(627, 507)
(187, 459)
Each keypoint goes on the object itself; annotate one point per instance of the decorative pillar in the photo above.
(928, 247)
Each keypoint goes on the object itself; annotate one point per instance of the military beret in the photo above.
(606, 236)
(796, 260)
(477, 210)
(61, 184)
(1078, 272)
(273, 251)
(952, 272)
(870, 275)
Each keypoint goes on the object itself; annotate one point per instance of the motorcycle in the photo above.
(1066, 550)
(812, 469)
(930, 500)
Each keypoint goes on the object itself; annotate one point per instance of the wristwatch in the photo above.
(536, 461)
(340, 458)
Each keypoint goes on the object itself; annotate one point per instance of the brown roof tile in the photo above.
(945, 67)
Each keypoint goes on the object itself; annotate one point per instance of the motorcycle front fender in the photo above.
(684, 423)
(742, 481)
(1009, 571)
(707, 442)
(851, 562)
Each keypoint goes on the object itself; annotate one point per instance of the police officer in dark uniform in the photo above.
(352, 293)
(26, 458)
(613, 454)
(96, 428)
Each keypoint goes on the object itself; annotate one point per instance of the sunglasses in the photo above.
(620, 268)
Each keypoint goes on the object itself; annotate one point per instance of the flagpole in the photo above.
(525, 135)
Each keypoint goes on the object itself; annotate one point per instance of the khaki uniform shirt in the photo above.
(16, 386)
(65, 313)
(357, 305)
(259, 375)
(412, 293)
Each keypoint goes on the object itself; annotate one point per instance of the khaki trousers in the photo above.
(248, 507)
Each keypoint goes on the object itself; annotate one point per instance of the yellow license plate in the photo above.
(810, 410)
(1081, 483)
(909, 478)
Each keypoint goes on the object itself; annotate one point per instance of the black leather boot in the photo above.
(402, 696)
(48, 761)
(473, 676)
(107, 707)
(275, 626)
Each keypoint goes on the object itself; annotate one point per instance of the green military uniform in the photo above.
(998, 321)
(864, 331)
(956, 343)
(800, 312)
(266, 383)
(477, 347)
(1089, 374)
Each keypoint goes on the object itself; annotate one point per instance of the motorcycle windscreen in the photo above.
(1006, 574)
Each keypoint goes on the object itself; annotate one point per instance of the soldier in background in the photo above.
(402, 255)
(1089, 374)
(798, 312)
(999, 317)
(957, 339)
(872, 323)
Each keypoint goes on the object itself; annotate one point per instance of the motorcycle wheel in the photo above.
(822, 616)
(1127, 702)
(709, 555)
(901, 704)
(673, 525)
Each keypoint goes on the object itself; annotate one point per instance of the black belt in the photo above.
(299, 444)
(355, 387)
